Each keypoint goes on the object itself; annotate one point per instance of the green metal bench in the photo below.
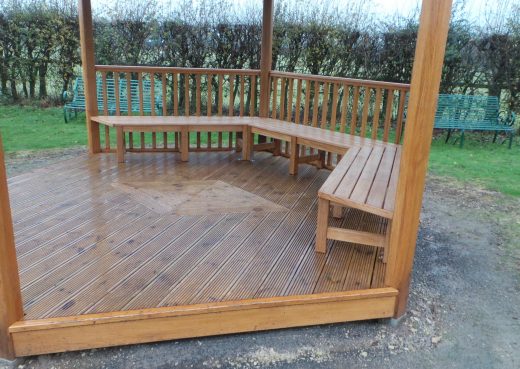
(473, 113)
(77, 104)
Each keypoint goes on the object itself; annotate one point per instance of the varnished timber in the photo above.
(266, 57)
(10, 297)
(89, 74)
(152, 325)
(426, 75)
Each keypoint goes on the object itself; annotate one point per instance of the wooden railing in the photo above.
(371, 109)
(141, 90)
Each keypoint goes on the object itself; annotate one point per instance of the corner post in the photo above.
(266, 57)
(11, 308)
(89, 74)
(426, 75)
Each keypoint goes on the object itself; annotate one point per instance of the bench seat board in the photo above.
(365, 179)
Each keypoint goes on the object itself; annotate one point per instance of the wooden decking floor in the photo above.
(92, 237)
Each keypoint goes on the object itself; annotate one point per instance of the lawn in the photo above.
(488, 165)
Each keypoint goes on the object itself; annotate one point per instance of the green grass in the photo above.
(488, 165)
(483, 163)
(33, 128)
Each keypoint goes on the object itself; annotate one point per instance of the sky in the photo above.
(474, 9)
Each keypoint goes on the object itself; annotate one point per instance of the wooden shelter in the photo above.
(155, 248)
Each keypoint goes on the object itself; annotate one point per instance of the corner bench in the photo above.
(364, 179)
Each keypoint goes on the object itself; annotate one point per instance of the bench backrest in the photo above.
(111, 95)
(467, 109)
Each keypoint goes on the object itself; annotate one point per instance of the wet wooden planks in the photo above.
(86, 247)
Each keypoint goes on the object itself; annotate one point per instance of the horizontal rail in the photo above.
(179, 70)
(342, 80)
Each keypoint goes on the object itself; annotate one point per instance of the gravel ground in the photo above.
(464, 309)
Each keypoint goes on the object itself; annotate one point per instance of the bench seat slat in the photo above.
(351, 177)
(379, 189)
(366, 179)
(332, 182)
(392, 187)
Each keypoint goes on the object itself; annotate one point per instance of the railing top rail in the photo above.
(342, 80)
(180, 70)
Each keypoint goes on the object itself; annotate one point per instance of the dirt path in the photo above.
(464, 309)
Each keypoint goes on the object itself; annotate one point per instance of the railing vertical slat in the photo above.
(186, 95)
(220, 94)
(129, 92)
(220, 104)
(175, 94)
(377, 111)
(355, 107)
(315, 105)
(290, 100)
(275, 98)
(105, 108)
(388, 114)
(198, 95)
(334, 112)
(325, 105)
(282, 98)
(366, 105)
(344, 108)
(140, 83)
(163, 100)
(152, 93)
(400, 116)
(307, 103)
(209, 104)
(198, 98)
(252, 107)
(242, 87)
(297, 104)
(117, 92)
(231, 108)
(152, 106)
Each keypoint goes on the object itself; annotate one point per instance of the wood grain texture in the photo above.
(89, 74)
(152, 325)
(426, 75)
(10, 296)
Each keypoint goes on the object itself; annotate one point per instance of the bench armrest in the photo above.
(507, 118)
(65, 96)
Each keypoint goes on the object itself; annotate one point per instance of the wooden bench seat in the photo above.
(181, 124)
(365, 179)
(317, 138)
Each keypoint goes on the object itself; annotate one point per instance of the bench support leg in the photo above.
(510, 140)
(322, 226)
(387, 241)
(295, 154)
(120, 138)
(185, 144)
(337, 211)
(247, 143)
(277, 147)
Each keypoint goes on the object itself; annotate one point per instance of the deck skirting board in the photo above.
(34, 337)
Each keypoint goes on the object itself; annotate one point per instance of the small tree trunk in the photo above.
(42, 72)
(14, 91)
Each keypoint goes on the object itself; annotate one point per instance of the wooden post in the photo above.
(426, 75)
(89, 74)
(266, 57)
(11, 308)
